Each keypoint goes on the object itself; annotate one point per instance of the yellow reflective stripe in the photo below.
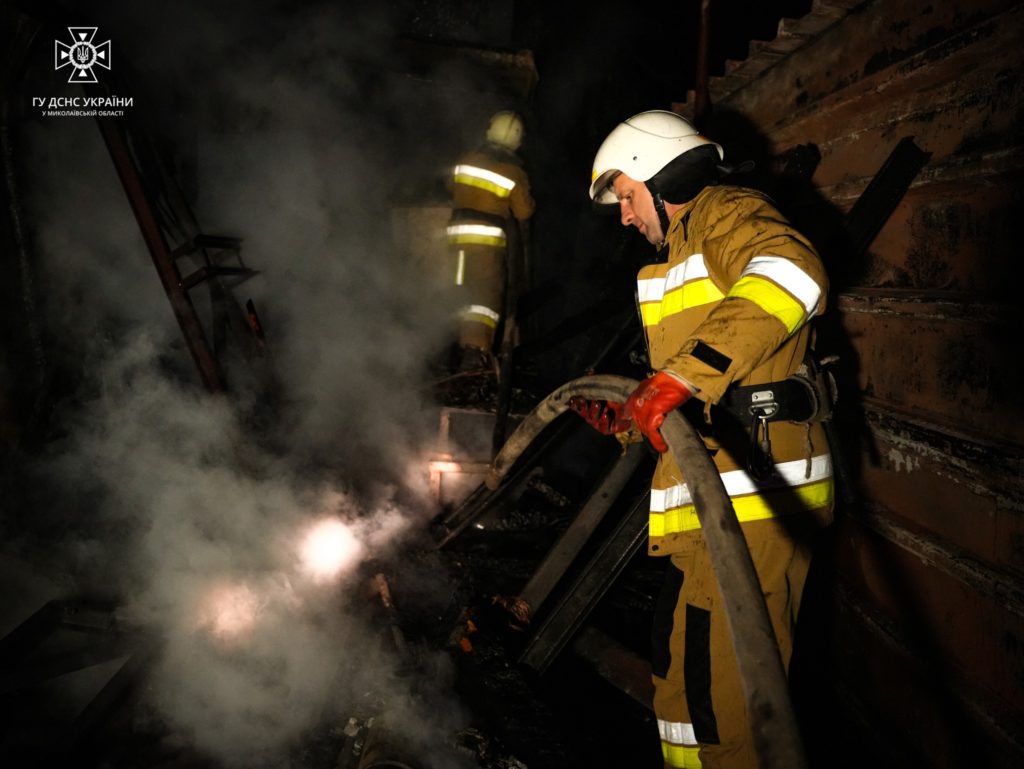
(790, 490)
(778, 286)
(689, 295)
(685, 286)
(477, 240)
(691, 268)
(494, 183)
(681, 756)
(483, 184)
(679, 744)
(649, 292)
(700, 292)
(477, 172)
(754, 507)
(738, 483)
(772, 299)
(478, 234)
(480, 314)
(790, 276)
(650, 314)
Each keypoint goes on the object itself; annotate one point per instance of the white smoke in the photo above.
(184, 513)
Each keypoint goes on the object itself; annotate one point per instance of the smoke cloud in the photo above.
(199, 527)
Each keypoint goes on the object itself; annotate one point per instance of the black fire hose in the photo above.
(775, 730)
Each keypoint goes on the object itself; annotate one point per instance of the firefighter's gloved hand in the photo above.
(652, 400)
(604, 416)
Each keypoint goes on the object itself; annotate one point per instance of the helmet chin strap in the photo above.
(659, 206)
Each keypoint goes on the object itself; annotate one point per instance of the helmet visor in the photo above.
(601, 190)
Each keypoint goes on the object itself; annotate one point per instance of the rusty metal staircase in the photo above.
(792, 35)
(173, 235)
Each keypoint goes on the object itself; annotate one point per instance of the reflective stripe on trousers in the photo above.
(679, 746)
(478, 313)
(790, 489)
(476, 234)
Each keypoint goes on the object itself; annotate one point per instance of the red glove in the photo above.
(603, 416)
(651, 401)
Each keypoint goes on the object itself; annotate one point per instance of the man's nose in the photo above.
(625, 213)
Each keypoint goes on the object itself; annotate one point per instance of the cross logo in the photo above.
(81, 54)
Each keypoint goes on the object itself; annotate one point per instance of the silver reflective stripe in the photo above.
(650, 289)
(654, 289)
(476, 234)
(482, 230)
(475, 172)
(479, 309)
(692, 268)
(460, 268)
(789, 276)
(738, 483)
(677, 732)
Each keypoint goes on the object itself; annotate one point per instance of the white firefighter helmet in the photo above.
(640, 147)
(506, 130)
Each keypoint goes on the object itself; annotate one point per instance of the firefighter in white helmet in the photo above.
(727, 321)
(491, 203)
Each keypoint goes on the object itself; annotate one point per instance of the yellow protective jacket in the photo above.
(489, 181)
(731, 306)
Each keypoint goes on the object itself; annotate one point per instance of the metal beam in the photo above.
(589, 587)
(184, 311)
(569, 545)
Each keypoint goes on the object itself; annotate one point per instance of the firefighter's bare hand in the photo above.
(604, 416)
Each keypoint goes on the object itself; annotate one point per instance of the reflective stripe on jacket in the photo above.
(475, 176)
(492, 180)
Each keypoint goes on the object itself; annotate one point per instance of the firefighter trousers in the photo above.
(698, 696)
(479, 272)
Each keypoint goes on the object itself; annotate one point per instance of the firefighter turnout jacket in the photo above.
(490, 192)
(730, 307)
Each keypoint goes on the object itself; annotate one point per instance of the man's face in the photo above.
(636, 207)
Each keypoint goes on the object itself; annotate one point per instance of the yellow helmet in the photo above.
(506, 130)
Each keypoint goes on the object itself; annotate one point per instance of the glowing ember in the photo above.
(328, 549)
(228, 611)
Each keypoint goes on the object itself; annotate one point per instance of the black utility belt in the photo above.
(793, 399)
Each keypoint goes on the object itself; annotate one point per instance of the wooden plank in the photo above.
(960, 105)
(928, 714)
(953, 237)
(943, 619)
(944, 484)
(947, 362)
(979, 170)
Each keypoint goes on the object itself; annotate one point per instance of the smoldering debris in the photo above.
(166, 501)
